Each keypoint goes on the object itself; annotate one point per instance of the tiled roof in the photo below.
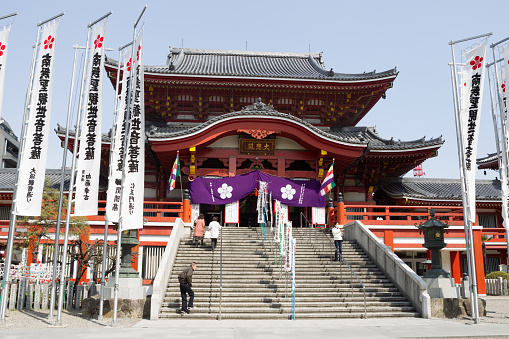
(254, 64)
(8, 177)
(491, 157)
(351, 135)
(440, 189)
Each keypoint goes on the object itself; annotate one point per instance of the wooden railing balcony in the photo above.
(153, 211)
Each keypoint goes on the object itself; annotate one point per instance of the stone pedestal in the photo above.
(129, 288)
(442, 288)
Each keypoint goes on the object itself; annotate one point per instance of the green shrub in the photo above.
(497, 274)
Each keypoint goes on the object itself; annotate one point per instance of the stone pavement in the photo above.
(353, 328)
(494, 325)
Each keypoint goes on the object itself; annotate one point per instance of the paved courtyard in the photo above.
(36, 325)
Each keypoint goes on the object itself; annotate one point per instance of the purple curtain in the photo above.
(223, 190)
(299, 193)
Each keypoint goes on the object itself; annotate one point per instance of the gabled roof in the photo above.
(350, 135)
(8, 178)
(188, 61)
(488, 162)
(440, 189)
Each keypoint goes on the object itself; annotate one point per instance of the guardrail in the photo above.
(165, 269)
(400, 274)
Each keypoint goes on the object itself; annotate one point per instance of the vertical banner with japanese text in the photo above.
(4, 45)
(134, 177)
(117, 157)
(470, 113)
(32, 166)
(89, 154)
(503, 90)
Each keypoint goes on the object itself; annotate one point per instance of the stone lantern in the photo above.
(434, 231)
(128, 241)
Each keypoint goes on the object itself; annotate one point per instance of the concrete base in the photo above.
(442, 288)
(127, 308)
(454, 307)
(129, 288)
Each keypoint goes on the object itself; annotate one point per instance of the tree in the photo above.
(38, 228)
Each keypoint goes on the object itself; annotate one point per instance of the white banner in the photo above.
(318, 215)
(32, 167)
(4, 44)
(504, 91)
(470, 114)
(231, 213)
(89, 154)
(134, 179)
(117, 155)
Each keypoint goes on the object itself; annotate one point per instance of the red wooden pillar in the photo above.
(389, 239)
(456, 266)
(341, 210)
(281, 167)
(232, 166)
(186, 206)
(479, 262)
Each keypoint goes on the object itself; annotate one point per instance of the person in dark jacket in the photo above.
(186, 282)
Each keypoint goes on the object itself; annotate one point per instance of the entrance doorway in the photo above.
(248, 216)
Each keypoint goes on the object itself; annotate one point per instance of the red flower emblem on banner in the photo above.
(503, 87)
(129, 65)
(476, 63)
(48, 43)
(138, 53)
(98, 42)
(2, 48)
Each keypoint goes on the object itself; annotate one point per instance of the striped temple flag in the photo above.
(328, 182)
(175, 172)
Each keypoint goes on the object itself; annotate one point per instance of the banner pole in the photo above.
(8, 16)
(71, 188)
(106, 222)
(465, 197)
(61, 194)
(502, 156)
(12, 222)
(124, 156)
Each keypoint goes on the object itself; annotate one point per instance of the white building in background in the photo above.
(9, 145)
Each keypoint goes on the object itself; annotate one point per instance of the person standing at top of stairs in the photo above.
(199, 228)
(186, 282)
(337, 232)
(214, 228)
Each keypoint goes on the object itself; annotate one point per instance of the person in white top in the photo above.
(337, 232)
(214, 228)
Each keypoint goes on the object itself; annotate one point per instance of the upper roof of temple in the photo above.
(256, 64)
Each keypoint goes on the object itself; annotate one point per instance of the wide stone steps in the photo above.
(253, 285)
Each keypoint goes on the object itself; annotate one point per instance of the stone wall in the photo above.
(127, 308)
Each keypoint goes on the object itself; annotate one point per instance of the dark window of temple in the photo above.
(268, 165)
(212, 163)
(246, 164)
(299, 165)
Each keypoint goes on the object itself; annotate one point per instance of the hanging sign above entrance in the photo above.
(298, 193)
(257, 147)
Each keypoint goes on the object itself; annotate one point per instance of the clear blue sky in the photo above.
(354, 36)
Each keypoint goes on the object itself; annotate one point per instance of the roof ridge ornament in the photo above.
(259, 106)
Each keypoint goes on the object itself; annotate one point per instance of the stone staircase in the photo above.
(252, 288)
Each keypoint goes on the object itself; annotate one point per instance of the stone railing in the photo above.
(165, 269)
(397, 271)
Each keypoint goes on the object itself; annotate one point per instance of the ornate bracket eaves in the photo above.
(257, 133)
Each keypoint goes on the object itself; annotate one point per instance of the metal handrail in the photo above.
(310, 227)
(352, 273)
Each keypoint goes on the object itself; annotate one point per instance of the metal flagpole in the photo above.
(71, 188)
(8, 16)
(12, 221)
(503, 123)
(466, 208)
(501, 155)
(106, 222)
(124, 156)
(460, 157)
(61, 195)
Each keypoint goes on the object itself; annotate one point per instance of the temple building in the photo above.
(230, 113)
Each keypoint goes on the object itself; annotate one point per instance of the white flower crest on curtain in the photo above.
(287, 192)
(225, 191)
